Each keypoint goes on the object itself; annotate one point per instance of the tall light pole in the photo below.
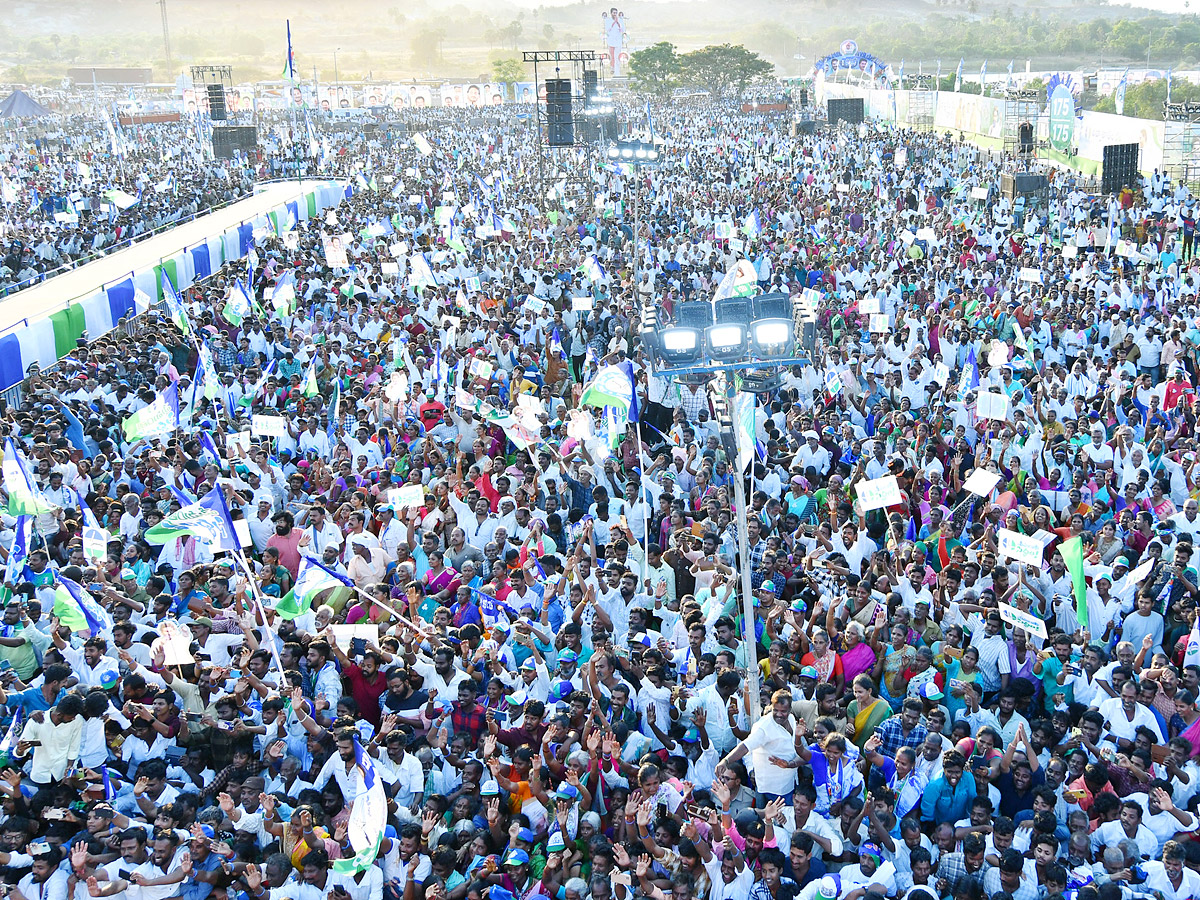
(162, 5)
(720, 399)
(337, 83)
(636, 154)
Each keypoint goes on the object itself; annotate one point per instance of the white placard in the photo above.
(1070, 251)
(737, 245)
(389, 268)
(843, 188)
(397, 388)
(1031, 275)
(878, 493)
(344, 634)
(927, 234)
(1046, 537)
(481, 368)
(582, 304)
(998, 354)
(1022, 619)
(907, 236)
(272, 426)
(879, 324)
(174, 642)
(869, 306)
(992, 406)
(981, 482)
(241, 529)
(240, 440)
(1019, 546)
(408, 496)
(941, 373)
(979, 193)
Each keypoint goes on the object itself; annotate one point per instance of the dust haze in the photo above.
(424, 39)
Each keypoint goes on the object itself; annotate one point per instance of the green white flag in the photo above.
(159, 418)
(1072, 554)
(311, 579)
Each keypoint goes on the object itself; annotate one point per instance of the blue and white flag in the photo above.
(78, 609)
(368, 817)
(1119, 96)
(983, 77)
(18, 555)
(753, 225)
(958, 75)
(593, 270)
(969, 380)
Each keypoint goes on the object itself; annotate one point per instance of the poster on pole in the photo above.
(879, 324)
(878, 493)
(1021, 619)
(271, 426)
(1020, 547)
(992, 406)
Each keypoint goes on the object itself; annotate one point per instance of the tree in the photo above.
(427, 47)
(508, 69)
(654, 70)
(725, 68)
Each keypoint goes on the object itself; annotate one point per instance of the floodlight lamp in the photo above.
(726, 341)
(772, 337)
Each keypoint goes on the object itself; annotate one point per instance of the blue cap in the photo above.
(207, 831)
(525, 834)
(568, 656)
(514, 858)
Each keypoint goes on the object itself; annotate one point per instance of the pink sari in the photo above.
(859, 659)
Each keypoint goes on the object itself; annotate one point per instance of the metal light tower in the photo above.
(162, 5)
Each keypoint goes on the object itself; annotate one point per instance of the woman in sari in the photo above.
(858, 657)
(821, 657)
(1186, 715)
(866, 711)
(1160, 503)
(890, 663)
(440, 581)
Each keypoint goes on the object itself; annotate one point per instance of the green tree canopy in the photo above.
(508, 69)
(724, 69)
(655, 70)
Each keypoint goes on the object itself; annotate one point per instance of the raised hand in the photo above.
(620, 855)
(643, 865)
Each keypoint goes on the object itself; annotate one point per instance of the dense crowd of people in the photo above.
(81, 187)
(485, 639)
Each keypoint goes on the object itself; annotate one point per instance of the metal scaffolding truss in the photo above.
(1181, 152)
(1022, 108)
(922, 108)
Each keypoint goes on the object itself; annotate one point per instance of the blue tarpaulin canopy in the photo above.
(19, 105)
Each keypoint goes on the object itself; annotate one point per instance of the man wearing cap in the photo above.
(870, 875)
